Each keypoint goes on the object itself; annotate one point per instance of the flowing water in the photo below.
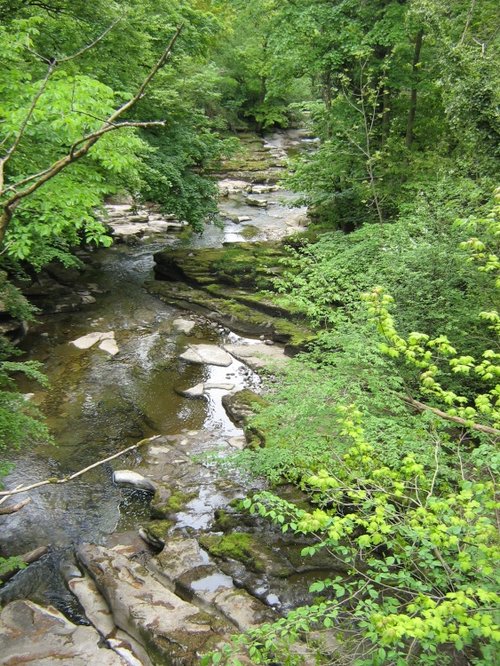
(98, 404)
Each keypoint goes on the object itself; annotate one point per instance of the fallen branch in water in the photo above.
(27, 558)
(14, 507)
(54, 480)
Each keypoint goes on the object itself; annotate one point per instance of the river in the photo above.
(98, 404)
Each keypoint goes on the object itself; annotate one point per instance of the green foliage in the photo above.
(421, 556)
(429, 355)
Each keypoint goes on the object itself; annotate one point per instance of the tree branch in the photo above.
(13, 508)
(55, 481)
(88, 141)
(422, 407)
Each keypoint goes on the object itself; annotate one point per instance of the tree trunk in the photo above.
(413, 95)
(326, 90)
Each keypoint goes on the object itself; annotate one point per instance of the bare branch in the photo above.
(71, 477)
(24, 124)
(421, 407)
(88, 141)
(92, 44)
(14, 508)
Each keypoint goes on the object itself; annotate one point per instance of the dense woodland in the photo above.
(390, 419)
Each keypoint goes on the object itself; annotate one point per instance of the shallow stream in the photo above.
(98, 404)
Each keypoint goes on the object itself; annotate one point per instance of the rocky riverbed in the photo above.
(150, 559)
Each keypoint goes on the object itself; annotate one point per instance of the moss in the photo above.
(235, 546)
(250, 231)
(158, 528)
(178, 500)
(225, 520)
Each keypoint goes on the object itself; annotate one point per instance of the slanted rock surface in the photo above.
(30, 634)
(173, 630)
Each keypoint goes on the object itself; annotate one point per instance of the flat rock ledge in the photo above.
(172, 630)
(259, 355)
(206, 354)
(106, 342)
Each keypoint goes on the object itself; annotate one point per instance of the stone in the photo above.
(184, 564)
(231, 186)
(184, 325)
(87, 341)
(243, 218)
(31, 634)
(95, 607)
(126, 477)
(109, 346)
(257, 203)
(179, 556)
(241, 405)
(174, 631)
(138, 218)
(238, 442)
(259, 355)
(263, 189)
(219, 386)
(206, 354)
(193, 392)
(297, 219)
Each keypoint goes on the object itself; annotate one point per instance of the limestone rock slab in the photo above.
(174, 630)
(89, 340)
(30, 634)
(259, 355)
(206, 354)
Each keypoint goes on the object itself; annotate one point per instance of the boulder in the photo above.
(126, 477)
(174, 631)
(30, 634)
(206, 354)
(241, 405)
(89, 340)
(183, 325)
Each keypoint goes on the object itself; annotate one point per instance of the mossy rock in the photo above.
(158, 529)
(242, 404)
(169, 503)
(249, 550)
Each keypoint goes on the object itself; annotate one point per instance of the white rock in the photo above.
(109, 346)
(184, 325)
(193, 392)
(237, 442)
(87, 341)
(126, 477)
(209, 354)
(258, 355)
(244, 218)
(218, 385)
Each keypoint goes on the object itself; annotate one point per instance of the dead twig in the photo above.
(55, 481)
